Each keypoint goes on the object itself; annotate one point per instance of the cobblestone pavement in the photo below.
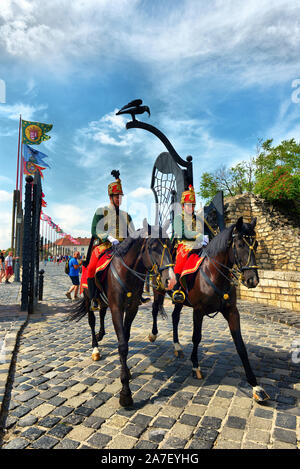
(59, 398)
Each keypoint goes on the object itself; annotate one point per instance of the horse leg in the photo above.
(92, 322)
(197, 335)
(125, 394)
(158, 299)
(101, 332)
(233, 319)
(175, 320)
(129, 317)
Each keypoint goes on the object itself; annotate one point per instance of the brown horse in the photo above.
(147, 250)
(212, 290)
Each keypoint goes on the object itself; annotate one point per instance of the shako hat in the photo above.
(188, 196)
(115, 188)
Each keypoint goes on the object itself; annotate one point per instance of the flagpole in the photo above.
(18, 158)
(21, 173)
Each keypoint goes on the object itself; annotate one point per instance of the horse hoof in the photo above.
(197, 373)
(178, 353)
(96, 357)
(152, 337)
(126, 401)
(260, 395)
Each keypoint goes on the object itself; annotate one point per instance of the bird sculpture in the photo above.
(133, 108)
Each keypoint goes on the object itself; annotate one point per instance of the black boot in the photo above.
(178, 295)
(92, 294)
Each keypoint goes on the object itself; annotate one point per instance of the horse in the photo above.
(146, 250)
(212, 290)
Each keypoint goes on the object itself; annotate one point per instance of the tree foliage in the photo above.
(273, 174)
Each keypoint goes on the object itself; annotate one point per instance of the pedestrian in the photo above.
(2, 266)
(45, 260)
(74, 269)
(9, 266)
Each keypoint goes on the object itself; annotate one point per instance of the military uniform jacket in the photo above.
(187, 228)
(108, 221)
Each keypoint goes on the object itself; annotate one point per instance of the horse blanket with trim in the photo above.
(191, 266)
(100, 260)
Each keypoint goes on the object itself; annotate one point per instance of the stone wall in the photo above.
(275, 288)
(278, 252)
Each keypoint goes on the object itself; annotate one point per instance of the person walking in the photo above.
(74, 270)
(2, 266)
(9, 266)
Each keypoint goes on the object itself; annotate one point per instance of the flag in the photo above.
(35, 156)
(30, 168)
(35, 132)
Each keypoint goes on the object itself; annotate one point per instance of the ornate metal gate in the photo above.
(172, 175)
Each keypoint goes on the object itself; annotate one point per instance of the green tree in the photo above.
(232, 181)
(278, 171)
(273, 174)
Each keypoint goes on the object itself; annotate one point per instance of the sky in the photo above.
(216, 75)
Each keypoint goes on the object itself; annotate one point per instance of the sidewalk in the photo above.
(11, 322)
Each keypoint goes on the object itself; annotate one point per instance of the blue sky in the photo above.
(217, 76)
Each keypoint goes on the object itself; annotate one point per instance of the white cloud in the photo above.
(253, 41)
(140, 193)
(5, 196)
(14, 111)
(71, 218)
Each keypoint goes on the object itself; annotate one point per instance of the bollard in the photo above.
(41, 284)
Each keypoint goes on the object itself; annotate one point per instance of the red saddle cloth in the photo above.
(191, 266)
(102, 265)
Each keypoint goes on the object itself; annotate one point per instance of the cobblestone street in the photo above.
(57, 397)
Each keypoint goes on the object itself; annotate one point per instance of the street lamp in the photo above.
(19, 221)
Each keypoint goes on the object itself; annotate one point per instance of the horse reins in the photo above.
(142, 277)
(241, 269)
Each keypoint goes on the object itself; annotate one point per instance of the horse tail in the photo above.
(78, 312)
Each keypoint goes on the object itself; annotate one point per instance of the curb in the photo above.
(9, 349)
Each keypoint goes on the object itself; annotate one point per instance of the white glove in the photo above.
(112, 240)
(205, 240)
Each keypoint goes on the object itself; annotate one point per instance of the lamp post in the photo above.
(18, 235)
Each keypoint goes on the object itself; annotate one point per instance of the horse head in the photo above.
(157, 254)
(244, 249)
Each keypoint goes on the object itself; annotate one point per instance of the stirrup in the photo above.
(144, 299)
(178, 296)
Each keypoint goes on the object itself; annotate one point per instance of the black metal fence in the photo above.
(31, 243)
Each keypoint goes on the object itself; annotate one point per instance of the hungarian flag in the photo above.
(35, 132)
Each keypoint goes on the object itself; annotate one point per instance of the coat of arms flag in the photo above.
(35, 132)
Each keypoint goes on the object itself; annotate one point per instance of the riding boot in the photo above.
(178, 295)
(92, 294)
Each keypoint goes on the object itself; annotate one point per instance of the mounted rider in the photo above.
(188, 230)
(110, 226)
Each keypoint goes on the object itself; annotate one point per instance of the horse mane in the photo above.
(217, 245)
(120, 250)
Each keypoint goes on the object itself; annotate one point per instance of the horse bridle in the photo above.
(251, 247)
(155, 270)
(236, 262)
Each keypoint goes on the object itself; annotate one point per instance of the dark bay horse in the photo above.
(145, 250)
(213, 291)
